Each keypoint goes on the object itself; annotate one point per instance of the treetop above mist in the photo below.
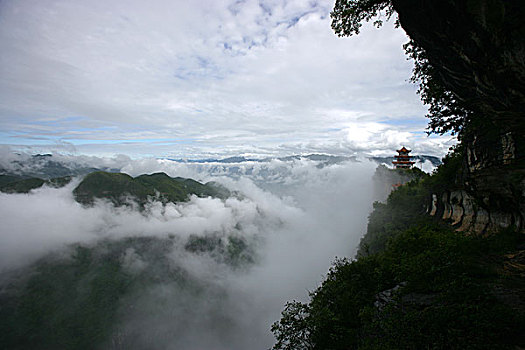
(120, 188)
(116, 187)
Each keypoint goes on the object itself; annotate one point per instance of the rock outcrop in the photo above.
(478, 50)
(467, 214)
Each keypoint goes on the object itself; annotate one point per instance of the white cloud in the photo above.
(303, 218)
(207, 76)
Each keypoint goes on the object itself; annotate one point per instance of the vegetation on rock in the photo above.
(415, 284)
(119, 188)
(468, 63)
(15, 184)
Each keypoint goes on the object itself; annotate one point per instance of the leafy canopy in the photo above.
(348, 15)
(446, 113)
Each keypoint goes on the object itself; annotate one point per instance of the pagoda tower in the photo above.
(403, 159)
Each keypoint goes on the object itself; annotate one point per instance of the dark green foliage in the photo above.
(408, 204)
(336, 305)
(80, 299)
(416, 284)
(5, 179)
(14, 184)
(348, 15)
(398, 176)
(431, 288)
(414, 173)
(22, 186)
(58, 182)
(385, 179)
(217, 190)
(405, 206)
(112, 186)
(202, 244)
(292, 332)
(232, 250)
(448, 301)
(448, 176)
(238, 252)
(446, 112)
(120, 188)
(64, 304)
(173, 190)
(211, 188)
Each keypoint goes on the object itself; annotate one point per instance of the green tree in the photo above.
(446, 112)
(292, 332)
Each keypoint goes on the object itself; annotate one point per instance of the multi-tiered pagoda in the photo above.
(403, 159)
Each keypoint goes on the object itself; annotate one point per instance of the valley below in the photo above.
(107, 260)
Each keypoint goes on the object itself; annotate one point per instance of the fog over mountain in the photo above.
(208, 273)
(47, 166)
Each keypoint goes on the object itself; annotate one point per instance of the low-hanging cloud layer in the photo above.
(190, 78)
(308, 217)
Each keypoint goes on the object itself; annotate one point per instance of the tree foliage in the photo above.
(446, 112)
(119, 188)
(348, 15)
(416, 284)
(430, 288)
(292, 332)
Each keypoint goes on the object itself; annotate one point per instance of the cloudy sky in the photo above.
(174, 78)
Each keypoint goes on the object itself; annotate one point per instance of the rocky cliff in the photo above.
(467, 214)
(478, 49)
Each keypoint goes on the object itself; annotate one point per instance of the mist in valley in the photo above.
(202, 274)
(132, 88)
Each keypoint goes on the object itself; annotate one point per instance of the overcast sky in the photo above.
(174, 78)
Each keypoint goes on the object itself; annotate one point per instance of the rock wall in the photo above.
(478, 49)
(467, 214)
(495, 176)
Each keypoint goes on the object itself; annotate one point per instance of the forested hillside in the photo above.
(416, 283)
(453, 279)
(120, 188)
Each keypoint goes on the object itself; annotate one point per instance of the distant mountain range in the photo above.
(324, 158)
(241, 159)
(44, 166)
(42, 169)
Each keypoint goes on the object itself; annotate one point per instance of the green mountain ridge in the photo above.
(21, 184)
(119, 188)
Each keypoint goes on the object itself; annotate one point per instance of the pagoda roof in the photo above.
(404, 149)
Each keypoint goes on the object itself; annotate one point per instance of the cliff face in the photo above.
(478, 48)
(467, 214)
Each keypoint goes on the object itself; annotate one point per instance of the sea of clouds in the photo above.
(299, 215)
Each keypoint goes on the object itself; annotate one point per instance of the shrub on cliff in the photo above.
(430, 288)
